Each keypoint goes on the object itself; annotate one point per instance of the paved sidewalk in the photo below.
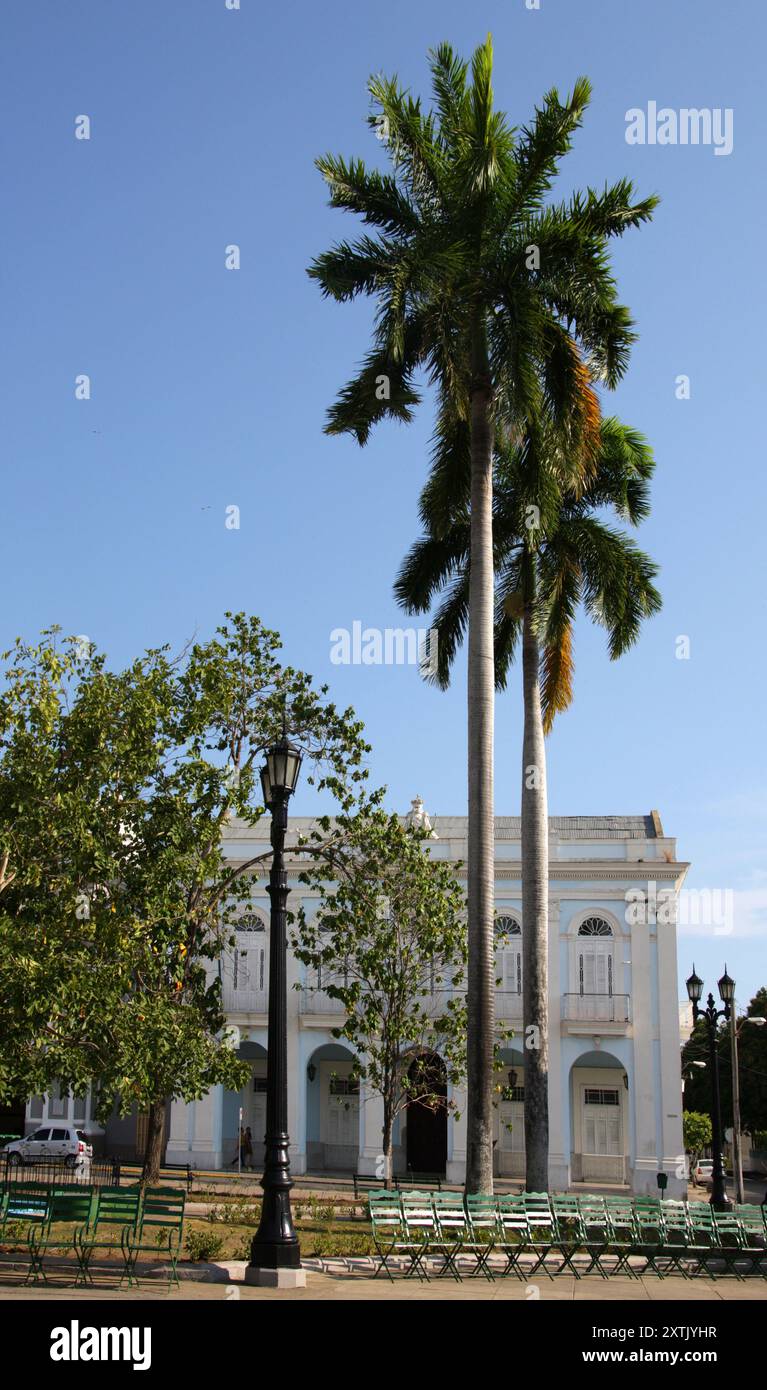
(352, 1287)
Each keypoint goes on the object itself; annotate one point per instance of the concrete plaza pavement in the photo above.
(323, 1287)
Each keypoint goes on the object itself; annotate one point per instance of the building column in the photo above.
(370, 1158)
(559, 1145)
(456, 1140)
(179, 1147)
(296, 1100)
(296, 1069)
(207, 1129)
(673, 1159)
(642, 1095)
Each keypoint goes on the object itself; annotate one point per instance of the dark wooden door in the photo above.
(427, 1128)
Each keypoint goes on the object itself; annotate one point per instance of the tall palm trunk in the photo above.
(535, 911)
(481, 852)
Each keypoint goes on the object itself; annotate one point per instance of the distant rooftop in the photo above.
(587, 828)
(590, 827)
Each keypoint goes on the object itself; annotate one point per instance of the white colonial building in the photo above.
(615, 1097)
(615, 1101)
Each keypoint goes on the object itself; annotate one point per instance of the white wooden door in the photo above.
(511, 1141)
(343, 1111)
(510, 969)
(602, 1131)
(595, 978)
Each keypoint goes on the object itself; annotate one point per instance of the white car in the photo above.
(61, 1142)
(704, 1172)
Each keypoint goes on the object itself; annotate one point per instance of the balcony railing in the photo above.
(508, 1004)
(596, 1008)
(243, 1000)
(316, 1001)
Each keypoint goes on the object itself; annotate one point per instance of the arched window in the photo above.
(249, 960)
(595, 957)
(508, 953)
(595, 926)
(250, 921)
(507, 926)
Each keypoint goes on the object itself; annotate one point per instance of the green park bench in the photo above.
(114, 1218)
(25, 1213)
(160, 1228)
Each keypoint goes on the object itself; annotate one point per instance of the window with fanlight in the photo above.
(595, 956)
(508, 953)
(249, 959)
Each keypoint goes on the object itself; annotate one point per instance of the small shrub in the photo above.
(235, 1214)
(203, 1245)
(12, 1234)
(242, 1251)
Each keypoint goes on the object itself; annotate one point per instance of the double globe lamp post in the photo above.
(275, 1257)
(719, 1199)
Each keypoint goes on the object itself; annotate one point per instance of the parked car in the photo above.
(61, 1142)
(704, 1172)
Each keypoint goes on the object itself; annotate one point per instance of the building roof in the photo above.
(590, 827)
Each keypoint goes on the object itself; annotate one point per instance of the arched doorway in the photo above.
(332, 1111)
(426, 1136)
(251, 1101)
(599, 1107)
(509, 1116)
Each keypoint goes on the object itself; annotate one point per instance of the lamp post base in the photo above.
(275, 1278)
(722, 1203)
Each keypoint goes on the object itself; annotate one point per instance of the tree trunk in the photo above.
(155, 1135)
(481, 848)
(535, 913)
(388, 1127)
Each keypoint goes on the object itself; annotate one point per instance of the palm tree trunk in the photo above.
(155, 1134)
(481, 848)
(535, 913)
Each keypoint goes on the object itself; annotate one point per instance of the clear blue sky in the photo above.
(209, 386)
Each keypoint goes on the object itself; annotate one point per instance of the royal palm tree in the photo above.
(554, 550)
(504, 306)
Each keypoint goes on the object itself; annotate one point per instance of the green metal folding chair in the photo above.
(676, 1249)
(595, 1228)
(388, 1229)
(482, 1238)
(420, 1229)
(753, 1227)
(541, 1230)
(569, 1230)
(648, 1215)
(623, 1233)
(513, 1232)
(452, 1229)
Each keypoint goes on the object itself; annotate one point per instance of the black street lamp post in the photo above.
(719, 1199)
(275, 1245)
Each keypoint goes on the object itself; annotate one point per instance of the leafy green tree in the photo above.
(752, 1066)
(507, 307)
(115, 790)
(389, 939)
(555, 551)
